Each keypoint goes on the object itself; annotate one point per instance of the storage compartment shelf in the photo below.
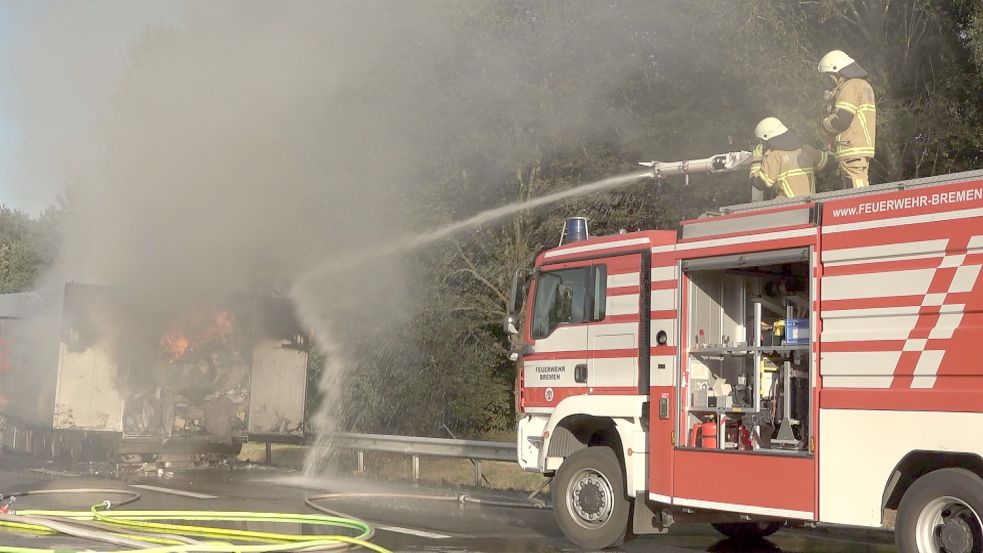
(744, 350)
(740, 410)
(750, 353)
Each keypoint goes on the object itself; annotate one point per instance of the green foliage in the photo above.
(540, 96)
(689, 82)
(28, 246)
(923, 57)
(975, 34)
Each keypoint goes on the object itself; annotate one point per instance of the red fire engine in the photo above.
(787, 362)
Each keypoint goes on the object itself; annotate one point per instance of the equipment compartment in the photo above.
(748, 371)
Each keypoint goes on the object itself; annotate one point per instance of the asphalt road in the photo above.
(403, 523)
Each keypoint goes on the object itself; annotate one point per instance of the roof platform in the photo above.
(851, 192)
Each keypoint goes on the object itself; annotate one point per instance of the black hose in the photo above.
(463, 499)
(133, 496)
(527, 504)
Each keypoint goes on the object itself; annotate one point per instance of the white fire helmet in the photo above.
(769, 128)
(834, 62)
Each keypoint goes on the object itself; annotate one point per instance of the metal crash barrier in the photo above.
(476, 451)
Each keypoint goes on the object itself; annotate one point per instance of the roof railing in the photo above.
(837, 194)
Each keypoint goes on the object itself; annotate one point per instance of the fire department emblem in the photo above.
(549, 394)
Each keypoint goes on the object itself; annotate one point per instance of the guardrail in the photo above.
(476, 451)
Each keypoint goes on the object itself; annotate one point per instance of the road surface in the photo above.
(403, 523)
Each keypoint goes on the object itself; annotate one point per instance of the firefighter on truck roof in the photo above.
(782, 162)
(849, 129)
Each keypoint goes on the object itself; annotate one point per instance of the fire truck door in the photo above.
(613, 335)
(745, 438)
(556, 366)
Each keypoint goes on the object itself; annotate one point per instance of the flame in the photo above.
(220, 329)
(197, 328)
(173, 344)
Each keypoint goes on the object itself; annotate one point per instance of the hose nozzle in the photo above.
(719, 163)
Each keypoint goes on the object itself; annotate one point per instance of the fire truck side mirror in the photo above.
(520, 281)
(511, 325)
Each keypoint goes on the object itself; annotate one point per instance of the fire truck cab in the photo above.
(788, 362)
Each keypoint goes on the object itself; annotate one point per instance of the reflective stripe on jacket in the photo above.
(853, 99)
(790, 172)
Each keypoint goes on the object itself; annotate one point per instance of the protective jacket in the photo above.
(790, 172)
(852, 119)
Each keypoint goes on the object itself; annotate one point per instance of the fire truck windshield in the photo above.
(560, 298)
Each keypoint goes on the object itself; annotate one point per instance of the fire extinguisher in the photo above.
(704, 434)
(708, 431)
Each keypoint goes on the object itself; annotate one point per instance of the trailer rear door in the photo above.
(279, 373)
(87, 394)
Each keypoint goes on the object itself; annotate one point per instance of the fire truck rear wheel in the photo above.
(589, 501)
(747, 530)
(940, 513)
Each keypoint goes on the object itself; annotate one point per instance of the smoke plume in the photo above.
(254, 141)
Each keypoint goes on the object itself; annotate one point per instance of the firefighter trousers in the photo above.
(854, 171)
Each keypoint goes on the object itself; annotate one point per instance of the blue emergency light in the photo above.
(574, 230)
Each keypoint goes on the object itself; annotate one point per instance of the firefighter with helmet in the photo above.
(849, 129)
(782, 162)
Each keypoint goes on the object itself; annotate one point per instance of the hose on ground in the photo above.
(129, 495)
(158, 531)
(527, 504)
(312, 500)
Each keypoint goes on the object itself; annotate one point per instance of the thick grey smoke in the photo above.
(256, 141)
(253, 140)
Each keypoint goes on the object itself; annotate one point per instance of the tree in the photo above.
(28, 247)
(308, 157)
(696, 82)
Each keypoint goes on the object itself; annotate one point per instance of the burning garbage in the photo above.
(145, 374)
(201, 379)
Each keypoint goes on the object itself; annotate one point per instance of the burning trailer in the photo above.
(104, 372)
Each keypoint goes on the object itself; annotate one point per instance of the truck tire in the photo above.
(940, 513)
(747, 531)
(38, 450)
(74, 452)
(589, 501)
(58, 451)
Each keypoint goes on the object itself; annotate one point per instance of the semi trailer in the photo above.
(103, 372)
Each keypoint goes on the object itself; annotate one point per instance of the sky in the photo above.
(51, 95)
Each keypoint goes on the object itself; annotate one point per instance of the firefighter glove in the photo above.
(755, 170)
(757, 153)
(829, 139)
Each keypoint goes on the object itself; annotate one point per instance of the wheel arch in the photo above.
(920, 462)
(576, 432)
(584, 421)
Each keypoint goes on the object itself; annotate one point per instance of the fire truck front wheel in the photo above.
(589, 501)
(940, 513)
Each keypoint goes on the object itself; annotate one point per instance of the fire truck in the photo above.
(788, 362)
